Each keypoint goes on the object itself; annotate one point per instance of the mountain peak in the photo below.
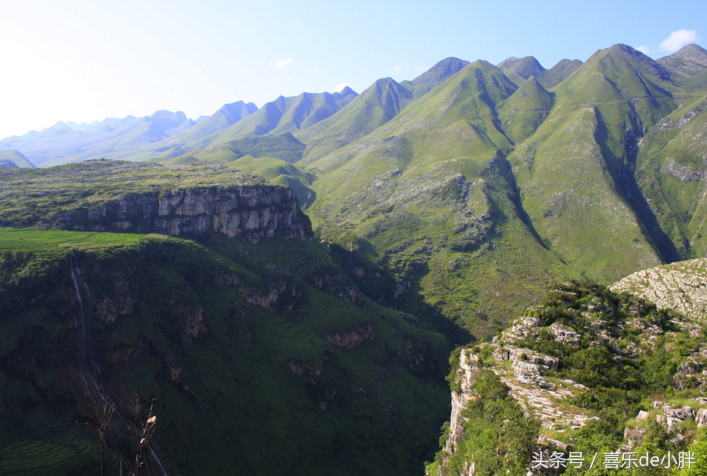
(692, 53)
(519, 70)
(529, 63)
(441, 71)
(347, 91)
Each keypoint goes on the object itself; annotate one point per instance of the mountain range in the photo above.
(467, 189)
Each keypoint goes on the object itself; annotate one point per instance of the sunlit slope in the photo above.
(525, 110)
(269, 168)
(437, 74)
(558, 73)
(226, 116)
(279, 171)
(576, 172)
(371, 109)
(286, 115)
(10, 157)
(519, 70)
(671, 172)
(430, 196)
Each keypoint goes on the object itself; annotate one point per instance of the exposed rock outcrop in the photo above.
(680, 286)
(150, 198)
(306, 369)
(352, 337)
(254, 211)
(279, 296)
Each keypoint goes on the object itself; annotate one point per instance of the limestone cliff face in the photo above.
(253, 211)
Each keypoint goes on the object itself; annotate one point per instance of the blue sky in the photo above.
(81, 60)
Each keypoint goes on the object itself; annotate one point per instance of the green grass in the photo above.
(64, 196)
(36, 457)
(58, 241)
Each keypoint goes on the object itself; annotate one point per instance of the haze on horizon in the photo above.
(83, 61)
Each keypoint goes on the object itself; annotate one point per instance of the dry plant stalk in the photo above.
(144, 429)
(101, 418)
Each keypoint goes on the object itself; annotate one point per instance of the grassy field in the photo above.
(49, 241)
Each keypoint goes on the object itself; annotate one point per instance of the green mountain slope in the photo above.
(519, 70)
(226, 116)
(244, 347)
(435, 75)
(279, 171)
(286, 115)
(15, 158)
(671, 172)
(576, 172)
(525, 110)
(430, 197)
(371, 109)
(558, 73)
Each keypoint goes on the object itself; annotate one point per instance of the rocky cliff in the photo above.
(255, 211)
(185, 200)
(584, 357)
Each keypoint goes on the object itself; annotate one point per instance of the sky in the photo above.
(83, 60)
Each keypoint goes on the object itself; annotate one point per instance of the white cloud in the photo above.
(678, 39)
(397, 68)
(644, 49)
(282, 64)
(338, 87)
(421, 69)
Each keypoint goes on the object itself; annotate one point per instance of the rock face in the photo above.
(538, 398)
(680, 286)
(250, 210)
(149, 198)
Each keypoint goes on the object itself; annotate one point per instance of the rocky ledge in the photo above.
(138, 197)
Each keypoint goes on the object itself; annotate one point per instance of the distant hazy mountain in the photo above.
(290, 114)
(14, 158)
(68, 142)
(226, 116)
